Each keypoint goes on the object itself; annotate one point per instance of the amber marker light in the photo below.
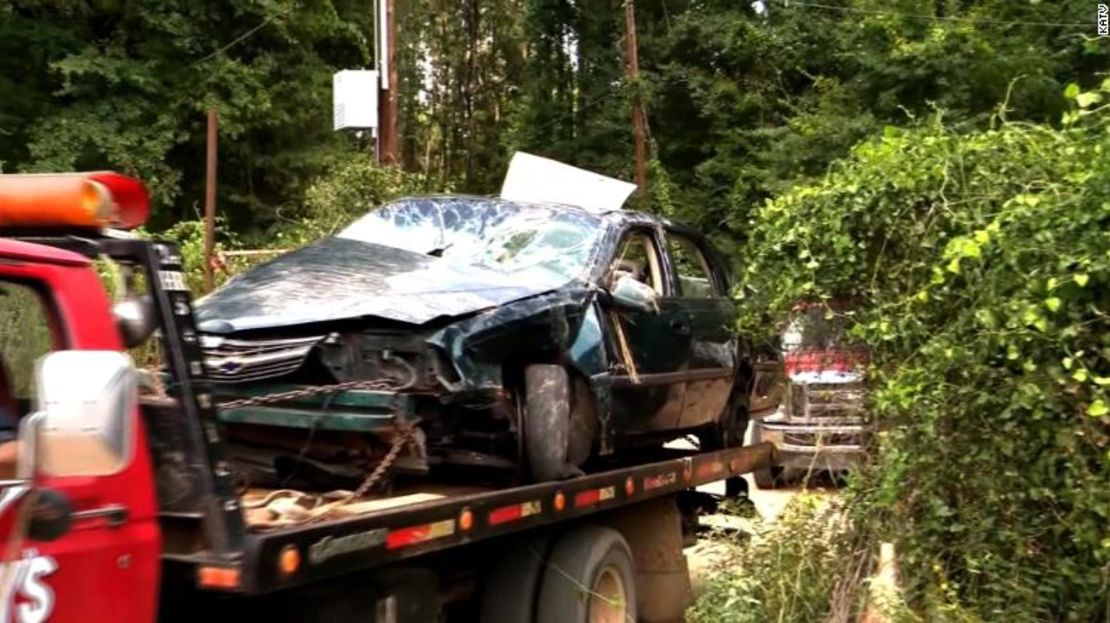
(629, 486)
(560, 501)
(226, 578)
(289, 560)
(466, 520)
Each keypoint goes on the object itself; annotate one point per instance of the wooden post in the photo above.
(387, 98)
(210, 202)
(633, 66)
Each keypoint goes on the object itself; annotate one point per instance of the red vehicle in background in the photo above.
(819, 425)
(124, 507)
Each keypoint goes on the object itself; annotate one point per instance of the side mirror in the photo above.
(628, 293)
(135, 319)
(85, 401)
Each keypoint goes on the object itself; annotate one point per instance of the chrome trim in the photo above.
(236, 360)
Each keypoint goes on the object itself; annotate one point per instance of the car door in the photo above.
(700, 291)
(651, 349)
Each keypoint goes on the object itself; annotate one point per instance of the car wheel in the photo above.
(547, 421)
(728, 431)
(770, 477)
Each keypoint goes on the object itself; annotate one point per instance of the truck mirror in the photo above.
(86, 400)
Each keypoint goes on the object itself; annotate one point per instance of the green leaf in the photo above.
(1098, 408)
(1086, 100)
(1081, 279)
(1052, 303)
(1071, 91)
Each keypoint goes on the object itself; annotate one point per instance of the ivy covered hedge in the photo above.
(979, 264)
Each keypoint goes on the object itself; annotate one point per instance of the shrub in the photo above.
(980, 264)
(790, 571)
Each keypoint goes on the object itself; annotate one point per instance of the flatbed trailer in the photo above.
(602, 546)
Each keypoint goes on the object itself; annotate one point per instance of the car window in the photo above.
(638, 258)
(695, 281)
(26, 335)
(534, 243)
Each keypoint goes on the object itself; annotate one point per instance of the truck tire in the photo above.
(589, 579)
(547, 408)
(769, 477)
(512, 584)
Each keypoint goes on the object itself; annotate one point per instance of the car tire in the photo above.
(770, 477)
(590, 577)
(547, 412)
(728, 432)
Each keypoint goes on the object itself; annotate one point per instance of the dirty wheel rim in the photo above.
(608, 599)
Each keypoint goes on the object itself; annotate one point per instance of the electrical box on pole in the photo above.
(355, 99)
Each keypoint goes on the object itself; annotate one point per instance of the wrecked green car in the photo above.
(534, 338)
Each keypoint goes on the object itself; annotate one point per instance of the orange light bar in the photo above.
(68, 200)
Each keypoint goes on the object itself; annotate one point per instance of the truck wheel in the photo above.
(547, 421)
(512, 584)
(769, 477)
(589, 579)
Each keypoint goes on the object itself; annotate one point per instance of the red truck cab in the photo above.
(103, 563)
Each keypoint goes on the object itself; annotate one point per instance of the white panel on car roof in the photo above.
(541, 180)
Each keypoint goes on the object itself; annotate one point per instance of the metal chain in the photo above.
(405, 437)
(311, 390)
(399, 442)
(324, 511)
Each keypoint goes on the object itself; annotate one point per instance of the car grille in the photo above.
(826, 400)
(232, 360)
(822, 439)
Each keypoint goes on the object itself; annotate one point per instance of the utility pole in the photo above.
(633, 67)
(210, 202)
(387, 97)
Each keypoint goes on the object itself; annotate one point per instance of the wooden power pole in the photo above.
(633, 66)
(210, 202)
(387, 97)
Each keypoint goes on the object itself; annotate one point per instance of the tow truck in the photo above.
(124, 508)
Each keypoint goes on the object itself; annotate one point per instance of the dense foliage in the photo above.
(740, 105)
(980, 267)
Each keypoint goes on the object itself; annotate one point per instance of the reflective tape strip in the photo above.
(594, 496)
(513, 512)
(172, 281)
(419, 534)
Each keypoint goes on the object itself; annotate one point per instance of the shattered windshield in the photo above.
(522, 240)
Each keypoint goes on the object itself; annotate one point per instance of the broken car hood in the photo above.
(338, 279)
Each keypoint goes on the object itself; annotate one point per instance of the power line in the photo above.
(936, 18)
(236, 41)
